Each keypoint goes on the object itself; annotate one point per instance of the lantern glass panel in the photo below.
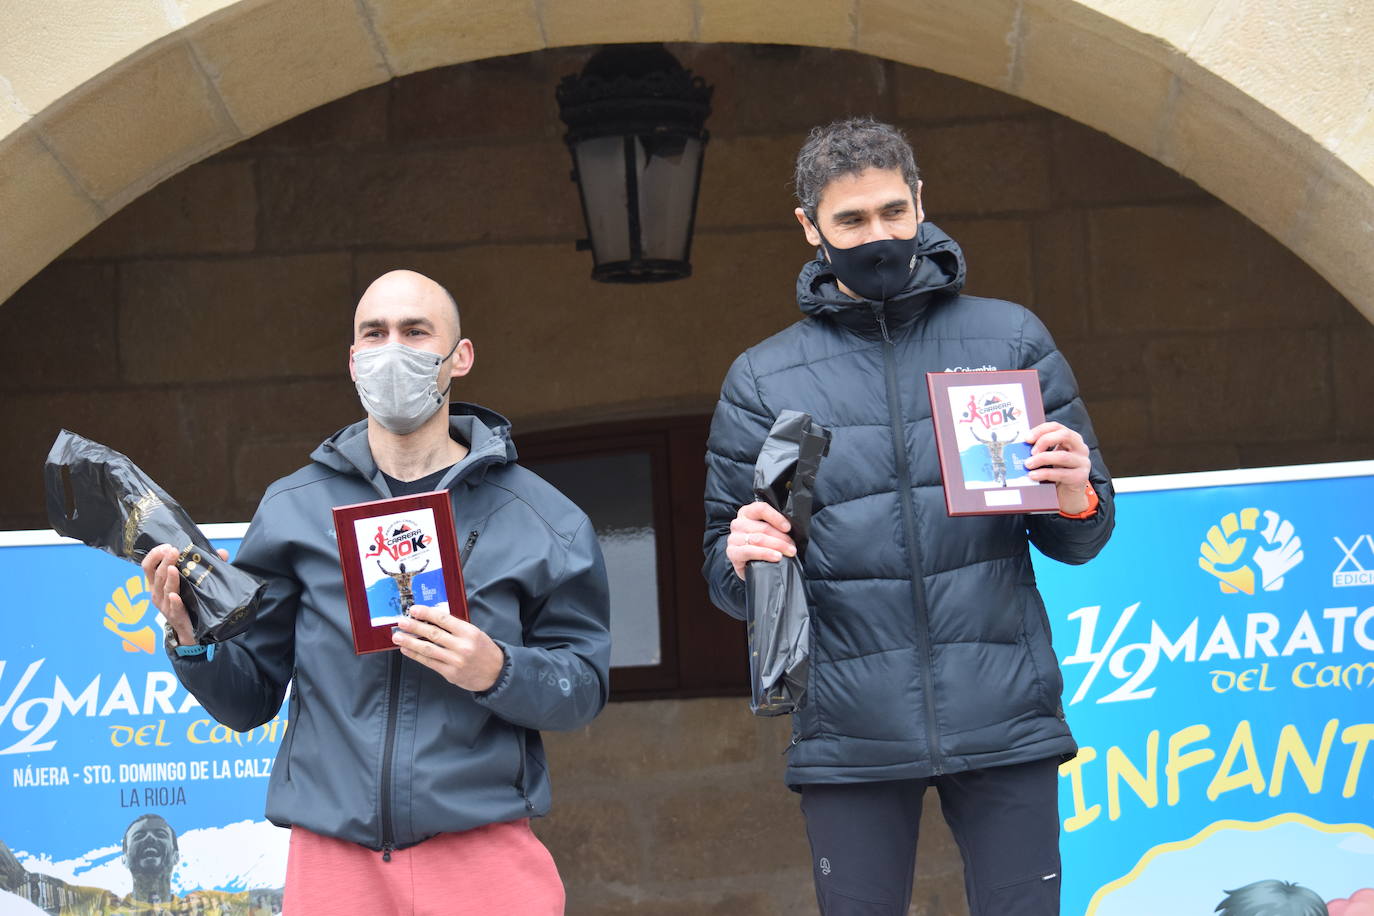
(601, 173)
(667, 169)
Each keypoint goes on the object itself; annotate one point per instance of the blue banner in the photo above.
(1218, 661)
(116, 786)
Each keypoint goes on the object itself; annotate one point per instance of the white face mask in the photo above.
(399, 385)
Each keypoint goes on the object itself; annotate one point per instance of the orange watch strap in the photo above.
(1092, 505)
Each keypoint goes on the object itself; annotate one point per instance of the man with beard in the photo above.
(931, 662)
(150, 852)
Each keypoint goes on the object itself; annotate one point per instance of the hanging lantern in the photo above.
(636, 132)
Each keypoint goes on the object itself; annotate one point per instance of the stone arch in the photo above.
(1264, 104)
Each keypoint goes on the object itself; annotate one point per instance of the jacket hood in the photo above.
(485, 432)
(940, 272)
(385, 752)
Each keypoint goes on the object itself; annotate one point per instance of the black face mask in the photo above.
(875, 270)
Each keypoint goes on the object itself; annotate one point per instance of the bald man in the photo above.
(408, 778)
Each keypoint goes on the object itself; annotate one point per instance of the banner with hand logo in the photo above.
(120, 794)
(1218, 661)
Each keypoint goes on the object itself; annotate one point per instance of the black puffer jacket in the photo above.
(931, 644)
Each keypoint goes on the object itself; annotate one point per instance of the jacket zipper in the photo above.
(392, 710)
(520, 773)
(918, 589)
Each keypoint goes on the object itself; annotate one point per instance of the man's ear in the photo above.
(464, 355)
(808, 228)
(352, 373)
(920, 213)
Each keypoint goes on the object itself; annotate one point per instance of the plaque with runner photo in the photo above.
(397, 554)
(981, 420)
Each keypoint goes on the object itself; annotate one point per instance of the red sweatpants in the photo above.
(496, 870)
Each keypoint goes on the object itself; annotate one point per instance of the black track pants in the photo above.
(1005, 820)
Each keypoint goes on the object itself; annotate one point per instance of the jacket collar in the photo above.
(940, 273)
(485, 432)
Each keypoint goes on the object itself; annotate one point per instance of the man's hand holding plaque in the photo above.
(458, 651)
(1060, 456)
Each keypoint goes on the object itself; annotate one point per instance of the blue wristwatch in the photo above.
(188, 651)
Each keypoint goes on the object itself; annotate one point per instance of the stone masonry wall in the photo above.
(652, 816)
(200, 326)
(203, 330)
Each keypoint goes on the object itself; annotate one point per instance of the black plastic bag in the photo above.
(120, 510)
(778, 620)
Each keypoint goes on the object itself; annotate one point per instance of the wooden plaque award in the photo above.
(396, 554)
(981, 420)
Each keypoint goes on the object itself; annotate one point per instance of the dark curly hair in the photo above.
(847, 148)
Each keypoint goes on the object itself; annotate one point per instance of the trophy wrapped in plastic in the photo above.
(118, 508)
(777, 616)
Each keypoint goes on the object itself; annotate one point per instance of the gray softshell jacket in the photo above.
(380, 750)
(931, 645)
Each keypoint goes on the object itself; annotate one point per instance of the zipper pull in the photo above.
(796, 739)
(882, 323)
(386, 852)
(467, 548)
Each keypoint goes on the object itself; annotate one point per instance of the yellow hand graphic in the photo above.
(1224, 558)
(122, 609)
